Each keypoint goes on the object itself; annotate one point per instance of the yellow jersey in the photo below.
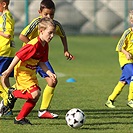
(125, 42)
(31, 31)
(7, 46)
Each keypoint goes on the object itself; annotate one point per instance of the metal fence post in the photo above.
(125, 14)
(26, 12)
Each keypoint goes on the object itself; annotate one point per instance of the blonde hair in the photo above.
(45, 22)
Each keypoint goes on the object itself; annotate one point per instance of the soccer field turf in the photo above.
(96, 71)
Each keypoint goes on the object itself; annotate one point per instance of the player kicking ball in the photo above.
(47, 9)
(25, 62)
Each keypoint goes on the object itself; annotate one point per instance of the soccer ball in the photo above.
(75, 118)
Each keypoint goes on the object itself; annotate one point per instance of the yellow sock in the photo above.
(130, 96)
(4, 94)
(117, 90)
(47, 97)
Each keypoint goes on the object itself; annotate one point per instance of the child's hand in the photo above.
(52, 75)
(68, 55)
(129, 56)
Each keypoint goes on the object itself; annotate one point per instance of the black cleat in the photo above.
(11, 98)
(23, 121)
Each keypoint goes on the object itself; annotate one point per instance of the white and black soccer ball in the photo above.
(75, 118)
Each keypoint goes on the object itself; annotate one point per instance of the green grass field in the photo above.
(96, 71)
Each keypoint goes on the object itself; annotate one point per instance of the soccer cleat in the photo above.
(9, 112)
(22, 121)
(3, 108)
(130, 103)
(11, 98)
(46, 115)
(109, 104)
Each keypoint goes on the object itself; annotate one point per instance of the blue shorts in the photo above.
(4, 64)
(127, 73)
(42, 73)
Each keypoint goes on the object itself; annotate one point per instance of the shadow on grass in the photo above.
(96, 119)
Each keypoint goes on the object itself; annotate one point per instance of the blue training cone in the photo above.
(70, 80)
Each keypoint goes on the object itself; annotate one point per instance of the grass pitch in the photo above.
(96, 71)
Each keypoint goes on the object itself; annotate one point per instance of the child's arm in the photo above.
(5, 35)
(61, 33)
(45, 69)
(24, 38)
(30, 29)
(127, 54)
(7, 72)
(66, 52)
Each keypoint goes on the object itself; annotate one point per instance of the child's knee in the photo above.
(51, 83)
(123, 82)
(35, 95)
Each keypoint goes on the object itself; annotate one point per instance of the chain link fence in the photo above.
(97, 17)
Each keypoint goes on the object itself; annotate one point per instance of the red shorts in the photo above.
(34, 88)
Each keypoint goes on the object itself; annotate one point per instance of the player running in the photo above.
(47, 9)
(31, 55)
(125, 51)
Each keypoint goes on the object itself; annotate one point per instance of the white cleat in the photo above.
(47, 115)
(130, 103)
(109, 104)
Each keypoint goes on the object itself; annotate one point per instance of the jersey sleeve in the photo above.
(32, 28)
(59, 29)
(26, 52)
(7, 25)
(122, 42)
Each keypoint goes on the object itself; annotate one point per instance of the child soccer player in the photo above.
(125, 51)
(47, 9)
(33, 54)
(7, 48)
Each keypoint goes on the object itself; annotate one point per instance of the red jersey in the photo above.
(35, 50)
(30, 55)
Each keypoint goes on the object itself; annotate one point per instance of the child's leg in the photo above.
(5, 109)
(4, 90)
(4, 94)
(130, 96)
(49, 89)
(26, 109)
(46, 100)
(47, 94)
(117, 90)
(31, 97)
(128, 71)
(47, 97)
